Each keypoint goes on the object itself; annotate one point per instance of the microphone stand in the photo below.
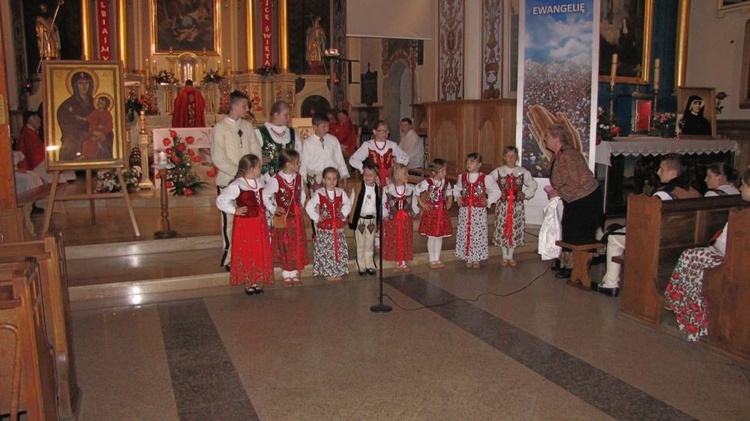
(380, 307)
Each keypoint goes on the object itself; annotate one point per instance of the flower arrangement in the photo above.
(212, 76)
(721, 96)
(106, 180)
(166, 77)
(181, 180)
(267, 70)
(665, 123)
(134, 106)
(606, 127)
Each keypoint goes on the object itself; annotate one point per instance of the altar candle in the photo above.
(153, 67)
(614, 71)
(148, 69)
(229, 68)
(657, 62)
(162, 157)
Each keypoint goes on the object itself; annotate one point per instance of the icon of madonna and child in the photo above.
(86, 121)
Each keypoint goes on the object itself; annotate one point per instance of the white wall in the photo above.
(715, 54)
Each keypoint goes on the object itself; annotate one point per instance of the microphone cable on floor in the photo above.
(469, 300)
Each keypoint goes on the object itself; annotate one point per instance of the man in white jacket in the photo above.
(412, 144)
(231, 139)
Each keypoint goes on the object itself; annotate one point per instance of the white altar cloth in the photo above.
(635, 146)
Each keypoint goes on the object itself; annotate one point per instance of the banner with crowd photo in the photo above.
(558, 68)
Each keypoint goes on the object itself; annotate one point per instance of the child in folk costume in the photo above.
(435, 198)
(516, 185)
(252, 256)
(365, 219)
(274, 136)
(328, 208)
(284, 197)
(321, 150)
(474, 193)
(381, 152)
(399, 207)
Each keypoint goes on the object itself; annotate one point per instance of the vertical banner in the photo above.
(558, 68)
(104, 30)
(266, 24)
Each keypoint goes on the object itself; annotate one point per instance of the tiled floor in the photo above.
(547, 351)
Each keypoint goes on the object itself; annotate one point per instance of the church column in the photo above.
(122, 34)
(87, 52)
(250, 36)
(283, 38)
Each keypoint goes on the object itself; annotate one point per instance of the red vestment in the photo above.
(347, 136)
(32, 146)
(189, 109)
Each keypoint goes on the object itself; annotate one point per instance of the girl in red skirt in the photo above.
(399, 207)
(284, 196)
(435, 198)
(252, 255)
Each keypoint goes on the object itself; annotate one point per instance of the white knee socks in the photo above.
(507, 252)
(434, 247)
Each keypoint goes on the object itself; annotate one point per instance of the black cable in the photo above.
(469, 300)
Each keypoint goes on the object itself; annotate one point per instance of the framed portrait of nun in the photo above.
(697, 113)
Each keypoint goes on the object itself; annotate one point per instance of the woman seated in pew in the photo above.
(721, 179)
(684, 294)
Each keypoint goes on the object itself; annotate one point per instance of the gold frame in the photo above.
(648, 18)
(721, 8)
(107, 79)
(709, 99)
(216, 51)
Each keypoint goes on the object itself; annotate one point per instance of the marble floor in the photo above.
(460, 344)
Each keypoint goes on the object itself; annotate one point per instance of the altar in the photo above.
(628, 164)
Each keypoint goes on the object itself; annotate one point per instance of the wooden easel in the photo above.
(91, 195)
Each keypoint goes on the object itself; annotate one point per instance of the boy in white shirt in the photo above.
(320, 151)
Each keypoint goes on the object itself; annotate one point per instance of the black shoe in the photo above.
(371, 271)
(612, 292)
(556, 265)
(228, 268)
(362, 273)
(259, 290)
(563, 274)
(251, 290)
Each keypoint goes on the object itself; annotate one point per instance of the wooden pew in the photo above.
(657, 233)
(726, 289)
(50, 254)
(32, 385)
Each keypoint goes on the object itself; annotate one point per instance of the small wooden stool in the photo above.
(582, 255)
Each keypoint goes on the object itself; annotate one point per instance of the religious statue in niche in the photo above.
(369, 86)
(47, 34)
(316, 45)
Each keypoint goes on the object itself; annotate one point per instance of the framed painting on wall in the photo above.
(625, 30)
(698, 113)
(84, 110)
(185, 26)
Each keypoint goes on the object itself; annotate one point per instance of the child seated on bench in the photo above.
(684, 293)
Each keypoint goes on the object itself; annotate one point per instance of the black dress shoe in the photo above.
(251, 290)
(612, 292)
(227, 268)
(556, 265)
(563, 273)
(371, 271)
(362, 273)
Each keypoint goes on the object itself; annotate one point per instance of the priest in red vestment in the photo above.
(31, 144)
(189, 108)
(345, 132)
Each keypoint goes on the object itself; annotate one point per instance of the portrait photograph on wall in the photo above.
(186, 26)
(625, 30)
(698, 108)
(83, 114)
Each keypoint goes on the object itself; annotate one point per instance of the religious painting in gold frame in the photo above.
(632, 46)
(708, 98)
(84, 114)
(185, 26)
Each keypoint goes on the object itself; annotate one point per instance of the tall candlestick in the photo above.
(148, 69)
(657, 62)
(229, 68)
(614, 71)
(153, 67)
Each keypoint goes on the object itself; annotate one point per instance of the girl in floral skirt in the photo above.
(252, 255)
(684, 293)
(435, 199)
(328, 208)
(399, 207)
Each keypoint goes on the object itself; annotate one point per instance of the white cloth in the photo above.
(413, 146)
(317, 155)
(226, 200)
(282, 139)
(551, 230)
(529, 184)
(403, 191)
(493, 191)
(312, 205)
(272, 186)
(227, 147)
(729, 189)
(361, 154)
(720, 245)
(637, 146)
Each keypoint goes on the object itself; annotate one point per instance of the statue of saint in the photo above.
(316, 45)
(47, 35)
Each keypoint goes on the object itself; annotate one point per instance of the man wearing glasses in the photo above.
(383, 153)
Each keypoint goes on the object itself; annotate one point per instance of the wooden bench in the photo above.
(582, 256)
(26, 201)
(726, 289)
(657, 233)
(49, 252)
(28, 360)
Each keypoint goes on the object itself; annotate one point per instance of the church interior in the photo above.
(113, 301)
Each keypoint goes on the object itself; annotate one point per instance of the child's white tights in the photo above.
(434, 247)
(508, 252)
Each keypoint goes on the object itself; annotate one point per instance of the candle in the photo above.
(229, 68)
(614, 71)
(162, 158)
(657, 62)
(148, 68)
(153, 67)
